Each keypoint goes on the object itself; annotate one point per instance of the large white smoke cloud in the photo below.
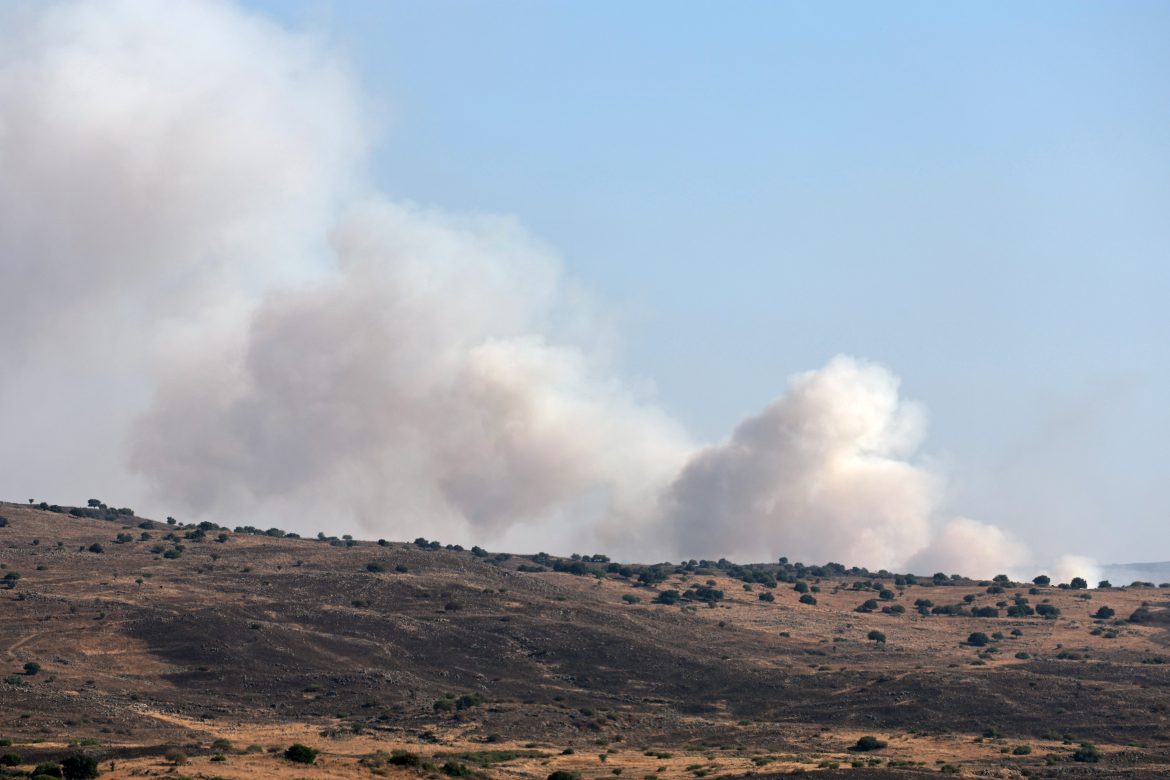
(251, 335)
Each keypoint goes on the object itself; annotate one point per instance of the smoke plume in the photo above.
(205, 299)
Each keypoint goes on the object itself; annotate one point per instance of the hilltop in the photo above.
(221, 647)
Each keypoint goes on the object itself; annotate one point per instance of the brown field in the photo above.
(264, 642)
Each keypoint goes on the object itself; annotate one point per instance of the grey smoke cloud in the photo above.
(253, 335)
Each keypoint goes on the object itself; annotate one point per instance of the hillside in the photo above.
(497, 665)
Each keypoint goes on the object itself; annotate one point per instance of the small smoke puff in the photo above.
(823, 473)
(974, 549)
(1069, 566)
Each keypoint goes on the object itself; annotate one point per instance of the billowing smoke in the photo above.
(207, 310)
(416, 387)
(823, 470)
(968, 546)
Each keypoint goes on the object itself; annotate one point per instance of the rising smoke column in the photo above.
(823, 472)
(203, 297)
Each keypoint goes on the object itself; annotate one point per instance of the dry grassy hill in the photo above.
(226, 652)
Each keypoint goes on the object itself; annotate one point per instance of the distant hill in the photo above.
(1125, 573)
(134, 640)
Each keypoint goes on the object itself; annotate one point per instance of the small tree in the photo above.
(978, 639)
(1104, 584)
(31, 668)
(1078, 583)
(300, 754)
(1104, 613)
(1043, 580)
(876, 636)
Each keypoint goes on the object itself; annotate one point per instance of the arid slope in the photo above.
(362, 649)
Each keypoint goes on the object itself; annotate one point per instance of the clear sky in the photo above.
(976, 195)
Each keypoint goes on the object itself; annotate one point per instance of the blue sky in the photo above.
(976, 195)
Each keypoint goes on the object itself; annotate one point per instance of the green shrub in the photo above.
(668, 597)
(868, 743)
(1140, 615)
(1087, 753)
(404, 758)
(31, 668)
(79, 766)
(876, 636)
(47, 769)
(300, 754)
(808, 598)
(978, 639)
(11, 759)
(468, 700)
(375, 567)
(561, 774)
